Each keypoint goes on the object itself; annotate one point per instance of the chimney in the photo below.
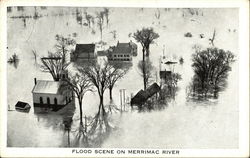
(35, 81)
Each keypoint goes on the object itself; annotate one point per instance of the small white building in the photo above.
(51, 95)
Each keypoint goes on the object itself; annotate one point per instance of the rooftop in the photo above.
(142, 96)
(43, 86)
(21, 104)
(85, 48)
(123, 48)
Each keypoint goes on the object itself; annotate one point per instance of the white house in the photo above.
(51, 95)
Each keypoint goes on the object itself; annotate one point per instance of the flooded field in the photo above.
(183, 124)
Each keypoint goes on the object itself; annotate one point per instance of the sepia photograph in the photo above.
(85, 77)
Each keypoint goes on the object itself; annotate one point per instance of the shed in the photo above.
(165, 74)
(83, 51)
(143, 95)
(23, 106)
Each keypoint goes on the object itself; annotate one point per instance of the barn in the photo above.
(143, 95)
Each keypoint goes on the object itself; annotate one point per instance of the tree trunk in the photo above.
(143, 54)
(101, 106)
(110, 93)
(215, 92)
(143, 68)
(147, 51)
(144, 75)
(80, 106)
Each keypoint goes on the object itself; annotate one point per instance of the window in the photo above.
(114, 55)
(48, 100)
(41, 100)
(55, 101)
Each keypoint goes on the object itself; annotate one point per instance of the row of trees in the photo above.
(100, 19)
(87, 78)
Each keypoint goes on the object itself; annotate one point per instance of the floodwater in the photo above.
(183, 124)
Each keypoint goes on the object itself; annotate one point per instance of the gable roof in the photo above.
(123, 48)
(85, 48)
(142, 96)
(151, 90)
(43, 86)
(21, 104)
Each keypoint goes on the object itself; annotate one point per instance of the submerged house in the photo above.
(143, 95)
(122, 52)
(83, 52)
(51, 95)
(22, 106)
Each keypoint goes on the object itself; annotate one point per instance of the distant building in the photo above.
(22, 106)
(83, 52)
(51, 95)
(143, 95)
(122, 51)
(165, 76)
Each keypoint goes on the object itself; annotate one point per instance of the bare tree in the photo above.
(114, 33)
(106, 14)
(35, 55)
(115, 73)
(80, 84)
(213, 38)
(100, 21)
(54, 64)
(89, 19)
(158, 14)
(62, 45)
(98, 76)
(145, 70)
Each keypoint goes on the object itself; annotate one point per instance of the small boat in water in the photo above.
(22, 107)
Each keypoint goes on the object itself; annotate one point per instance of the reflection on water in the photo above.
(183, 124)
